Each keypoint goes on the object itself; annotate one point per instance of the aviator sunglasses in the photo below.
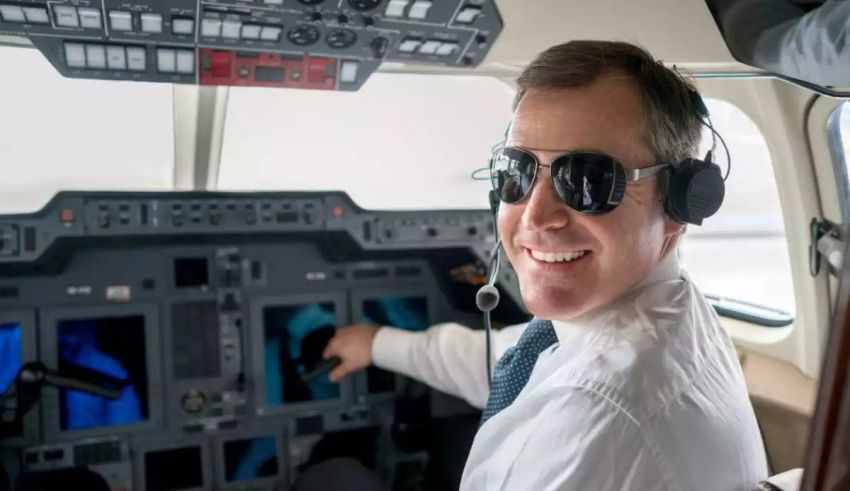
(592, 183)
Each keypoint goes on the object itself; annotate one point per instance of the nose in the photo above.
(543, 209)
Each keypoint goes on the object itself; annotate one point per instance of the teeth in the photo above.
(557, 257)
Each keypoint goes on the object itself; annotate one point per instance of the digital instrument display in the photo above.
(249, 459)
(10, 354)
(295, 337)
(112, 346)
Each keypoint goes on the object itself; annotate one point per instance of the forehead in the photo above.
(606, 116)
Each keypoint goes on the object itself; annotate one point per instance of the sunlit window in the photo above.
(842, 119)
(58, 133)
(741, 253)
(401, 142)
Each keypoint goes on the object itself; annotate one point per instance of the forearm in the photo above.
(448, 357)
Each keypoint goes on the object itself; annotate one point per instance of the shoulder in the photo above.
(647, 349)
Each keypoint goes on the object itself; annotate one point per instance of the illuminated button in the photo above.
(348, 71)
(273, 2)
(409, 45)
(75, 55)
(136, 59)
(116, 58)
(36, 15)
(90, 18)
(231, 29)
(419, 9)
(446, 49)
(11, 13)
(185, 61)
(251, 31)
(211, 27)
(430, 47)
(166, 60)
(66, 16)
(67, 215)
(270, 33)
(95, 56)
(183, 26)
(396, 8)
(152, 23)
(120, 20)
(468, 14)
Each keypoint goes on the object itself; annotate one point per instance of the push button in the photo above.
(136, 59)
(409, 45)
(12, 13)
(151, 23)
(66, 16)
(270, 33)
(211, 27)
(231, 29)
(430, 47)
(36, 15)
(396, 8)
(419, 10)
(75, 55)
(468, 14)
(251, 31)
(120, 20)
(166, 60)
(116, 58)
(185, 61)
(183, 26)
(90, 18)
(95, 56)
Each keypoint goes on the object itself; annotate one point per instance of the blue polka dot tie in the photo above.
(515, 366)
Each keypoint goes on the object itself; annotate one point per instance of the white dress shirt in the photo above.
(644, 394)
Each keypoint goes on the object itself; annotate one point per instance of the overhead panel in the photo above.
(307, 44)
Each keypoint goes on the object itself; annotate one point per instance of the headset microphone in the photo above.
(487, 297)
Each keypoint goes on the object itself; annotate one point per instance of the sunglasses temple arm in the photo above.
(638, 174)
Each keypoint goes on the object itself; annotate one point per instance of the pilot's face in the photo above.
(624, 245)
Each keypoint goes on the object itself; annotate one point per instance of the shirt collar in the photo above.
(668, 269)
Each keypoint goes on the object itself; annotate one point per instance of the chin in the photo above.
(554, 305)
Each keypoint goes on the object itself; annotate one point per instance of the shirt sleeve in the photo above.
(582, 440)
(449, 357)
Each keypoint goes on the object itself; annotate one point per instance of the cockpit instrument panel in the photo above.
(309, 44)
(201, 319)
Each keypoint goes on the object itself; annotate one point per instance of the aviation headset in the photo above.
(693, 190)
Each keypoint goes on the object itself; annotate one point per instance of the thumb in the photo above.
(339, 372)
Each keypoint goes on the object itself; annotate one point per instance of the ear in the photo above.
(672, 227)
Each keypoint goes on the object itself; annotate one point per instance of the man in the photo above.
(633, 384)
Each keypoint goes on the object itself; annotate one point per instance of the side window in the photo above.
(741, 253)
(839, 131)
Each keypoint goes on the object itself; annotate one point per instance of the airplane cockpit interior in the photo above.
(197, 194)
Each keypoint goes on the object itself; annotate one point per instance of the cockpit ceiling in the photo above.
(680, 32)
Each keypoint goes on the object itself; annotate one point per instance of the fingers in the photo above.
(339, 372)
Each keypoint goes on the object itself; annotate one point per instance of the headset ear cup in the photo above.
(695, 191)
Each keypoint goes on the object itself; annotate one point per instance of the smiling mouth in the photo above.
(557, 257)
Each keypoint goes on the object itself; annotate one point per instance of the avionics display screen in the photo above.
(109, 346)
(172, 469)
(246, 460)
(410, 313)
(10, 354)
(295, 337)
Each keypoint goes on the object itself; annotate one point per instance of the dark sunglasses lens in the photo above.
(512, 173)
(588, 182)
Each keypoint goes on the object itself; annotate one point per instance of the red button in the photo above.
(338, 211)
(316, 69)
(67, 215)
(220, 64)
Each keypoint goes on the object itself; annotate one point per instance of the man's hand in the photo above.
(353, 345)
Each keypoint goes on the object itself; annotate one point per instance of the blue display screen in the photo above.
(10, 354)
(295, 338)
(246, 460)
(410, 313)
(113, 346)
